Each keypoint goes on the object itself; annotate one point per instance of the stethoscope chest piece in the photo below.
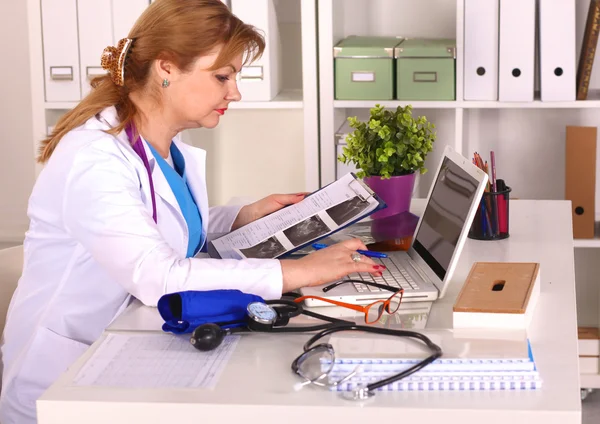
(360, 394)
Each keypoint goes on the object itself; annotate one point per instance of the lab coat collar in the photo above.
(195, 160)
(161, 185)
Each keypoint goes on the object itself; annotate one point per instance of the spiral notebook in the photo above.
(472, 360)
(525, 380)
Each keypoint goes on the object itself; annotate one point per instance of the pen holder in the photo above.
(491, 218)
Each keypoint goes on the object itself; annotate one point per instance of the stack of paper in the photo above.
(502, 361)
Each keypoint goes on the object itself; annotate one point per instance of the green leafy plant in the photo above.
(389, 143)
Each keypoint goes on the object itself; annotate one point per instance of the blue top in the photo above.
(178, 182)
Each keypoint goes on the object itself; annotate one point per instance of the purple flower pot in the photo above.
(395, 191)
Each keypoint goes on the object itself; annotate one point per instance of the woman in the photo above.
(121, 209)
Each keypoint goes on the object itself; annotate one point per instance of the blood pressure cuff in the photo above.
(184, 311)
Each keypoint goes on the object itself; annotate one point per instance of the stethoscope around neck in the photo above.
(138, 147)
(273, 316)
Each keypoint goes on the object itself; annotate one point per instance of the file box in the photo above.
(498, 295)
(426, 69)
(364, 68)
(340, 142)
(261, 80)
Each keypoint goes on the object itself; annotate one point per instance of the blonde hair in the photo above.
(176, 30)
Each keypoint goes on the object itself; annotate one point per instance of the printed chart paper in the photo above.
(154, 361)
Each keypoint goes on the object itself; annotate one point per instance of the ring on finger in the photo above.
(355, 256)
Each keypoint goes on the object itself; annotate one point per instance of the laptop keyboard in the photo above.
(393, 275)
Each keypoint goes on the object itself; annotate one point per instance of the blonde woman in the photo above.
(120, 209)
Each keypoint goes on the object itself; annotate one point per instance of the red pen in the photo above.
(502, 212)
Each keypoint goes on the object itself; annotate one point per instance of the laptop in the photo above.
(425, 270)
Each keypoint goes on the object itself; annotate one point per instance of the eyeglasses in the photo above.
(372, 311)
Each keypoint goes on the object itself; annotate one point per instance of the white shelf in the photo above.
(60, 105)
(358, 104)
(287, 99)
(590, 381)
(292, 99)
(536, 104)
(591, 242)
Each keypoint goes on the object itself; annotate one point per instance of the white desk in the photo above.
(256, 385)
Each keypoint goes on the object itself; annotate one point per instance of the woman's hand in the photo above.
(326, 265)
(264, 207)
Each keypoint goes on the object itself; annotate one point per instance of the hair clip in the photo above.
(113, 60)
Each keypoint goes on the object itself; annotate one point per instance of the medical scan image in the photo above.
(348, 209)
(307, 230)
(267, 249)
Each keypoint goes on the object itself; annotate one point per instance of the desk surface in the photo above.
(258, 374)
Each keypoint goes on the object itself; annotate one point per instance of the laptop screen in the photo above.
(445, 216)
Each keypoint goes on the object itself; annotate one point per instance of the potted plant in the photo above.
(387, 151)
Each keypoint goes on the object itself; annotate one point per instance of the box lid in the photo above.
(366, 47)
(498, 287)
(426, 47)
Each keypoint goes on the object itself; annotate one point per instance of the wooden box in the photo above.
(498, 295)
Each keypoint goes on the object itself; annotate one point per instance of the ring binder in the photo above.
(525, 381)
(473, 360)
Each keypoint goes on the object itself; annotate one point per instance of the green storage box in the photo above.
(426, 69)
(364, 68)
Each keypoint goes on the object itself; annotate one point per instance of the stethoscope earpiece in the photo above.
(207, 337)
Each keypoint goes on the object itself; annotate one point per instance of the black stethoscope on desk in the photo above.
(273, 316)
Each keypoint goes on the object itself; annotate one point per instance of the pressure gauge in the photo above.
(262, 313)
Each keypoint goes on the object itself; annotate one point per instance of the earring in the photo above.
(165, 83)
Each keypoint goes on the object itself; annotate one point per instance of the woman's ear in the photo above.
(166, 69)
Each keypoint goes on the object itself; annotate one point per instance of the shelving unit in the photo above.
(341, 18)
(296, 105)
(527, 137)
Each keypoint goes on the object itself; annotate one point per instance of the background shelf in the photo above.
(589, 243)
(286, 99)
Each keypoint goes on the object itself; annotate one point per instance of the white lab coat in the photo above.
(92, 243)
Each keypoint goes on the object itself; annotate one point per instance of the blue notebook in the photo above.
(472, 360)
(320, 214)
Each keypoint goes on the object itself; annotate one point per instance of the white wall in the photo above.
(252, 153)
(16, 163)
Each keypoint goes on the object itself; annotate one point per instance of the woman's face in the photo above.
(200, 97)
